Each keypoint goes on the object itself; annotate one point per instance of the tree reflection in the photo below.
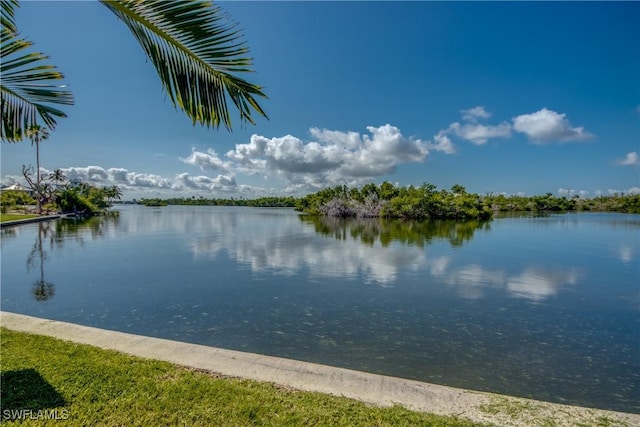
(55, 233)
(409, 232)
(42, 290)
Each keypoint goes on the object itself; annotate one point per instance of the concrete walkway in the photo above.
(29, 220)
(370, 388)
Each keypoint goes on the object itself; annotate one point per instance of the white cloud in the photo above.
(349, 140)
(631, 159)
(97, 175)
(632, 190)
(206, 161)
(220, 183)
(547, 126)
(92, 174)
(293, 165)
(475, 113)
(442, 143)
(479, 134)
(570, 192)
(335, 158)
(472, 131)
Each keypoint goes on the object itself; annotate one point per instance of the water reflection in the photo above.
(41, 289)
(51, 236)
(365, 249)
(533, 283)
(283, 247)
(415, 233)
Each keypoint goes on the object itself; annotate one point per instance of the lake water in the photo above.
(541, 307)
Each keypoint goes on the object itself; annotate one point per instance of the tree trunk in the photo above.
(38, 187)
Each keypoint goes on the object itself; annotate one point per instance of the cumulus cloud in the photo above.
(335, 157)
(631, 159)
(442, 143)
(206, 161)
(632, 190)
(479, 134)
(471, 130)
(220, 183)
(332, 158)
(475, 113)
(546, 126)
(99, 176)
(92, 174)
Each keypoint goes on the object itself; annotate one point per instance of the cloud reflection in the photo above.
(282, 250)
(534, 284)
(277, 242)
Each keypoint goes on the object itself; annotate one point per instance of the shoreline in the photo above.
(30, 220)
(373, 389)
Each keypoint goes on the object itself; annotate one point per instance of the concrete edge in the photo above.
(373, 389)
(29, 220)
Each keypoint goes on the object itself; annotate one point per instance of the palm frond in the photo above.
(7, 15)
(197, 51)
(26, 88)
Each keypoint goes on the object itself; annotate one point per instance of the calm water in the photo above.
(545, 307)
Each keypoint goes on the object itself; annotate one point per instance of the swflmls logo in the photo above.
(29, 414)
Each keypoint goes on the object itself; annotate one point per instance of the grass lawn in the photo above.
(15, 217)
(89, 386)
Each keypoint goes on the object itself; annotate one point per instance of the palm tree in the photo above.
(38, 134)
(57, 177)
(194, 46)
(113, 192)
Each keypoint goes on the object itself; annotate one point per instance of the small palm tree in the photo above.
(196, 49)
(113, 192)
(57, 177)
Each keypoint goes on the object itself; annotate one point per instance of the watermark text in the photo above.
(30, 414)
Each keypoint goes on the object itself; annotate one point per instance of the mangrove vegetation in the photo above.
(427, 202)
(410, 202)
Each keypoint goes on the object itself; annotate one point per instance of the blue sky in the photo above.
(499, 97)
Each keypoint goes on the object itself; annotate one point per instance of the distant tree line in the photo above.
(423, 202)
(271, 201)
(625, 203)
(426, 202)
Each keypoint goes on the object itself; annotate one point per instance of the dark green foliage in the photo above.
(425, 202)
(83, 199)
(386, 231)
(12, 199)
(389, 201)
(152, 202)
(71, 200)
(266, 202)
(629, 203)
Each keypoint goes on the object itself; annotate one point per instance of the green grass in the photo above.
(14, 217)
(91, 386)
